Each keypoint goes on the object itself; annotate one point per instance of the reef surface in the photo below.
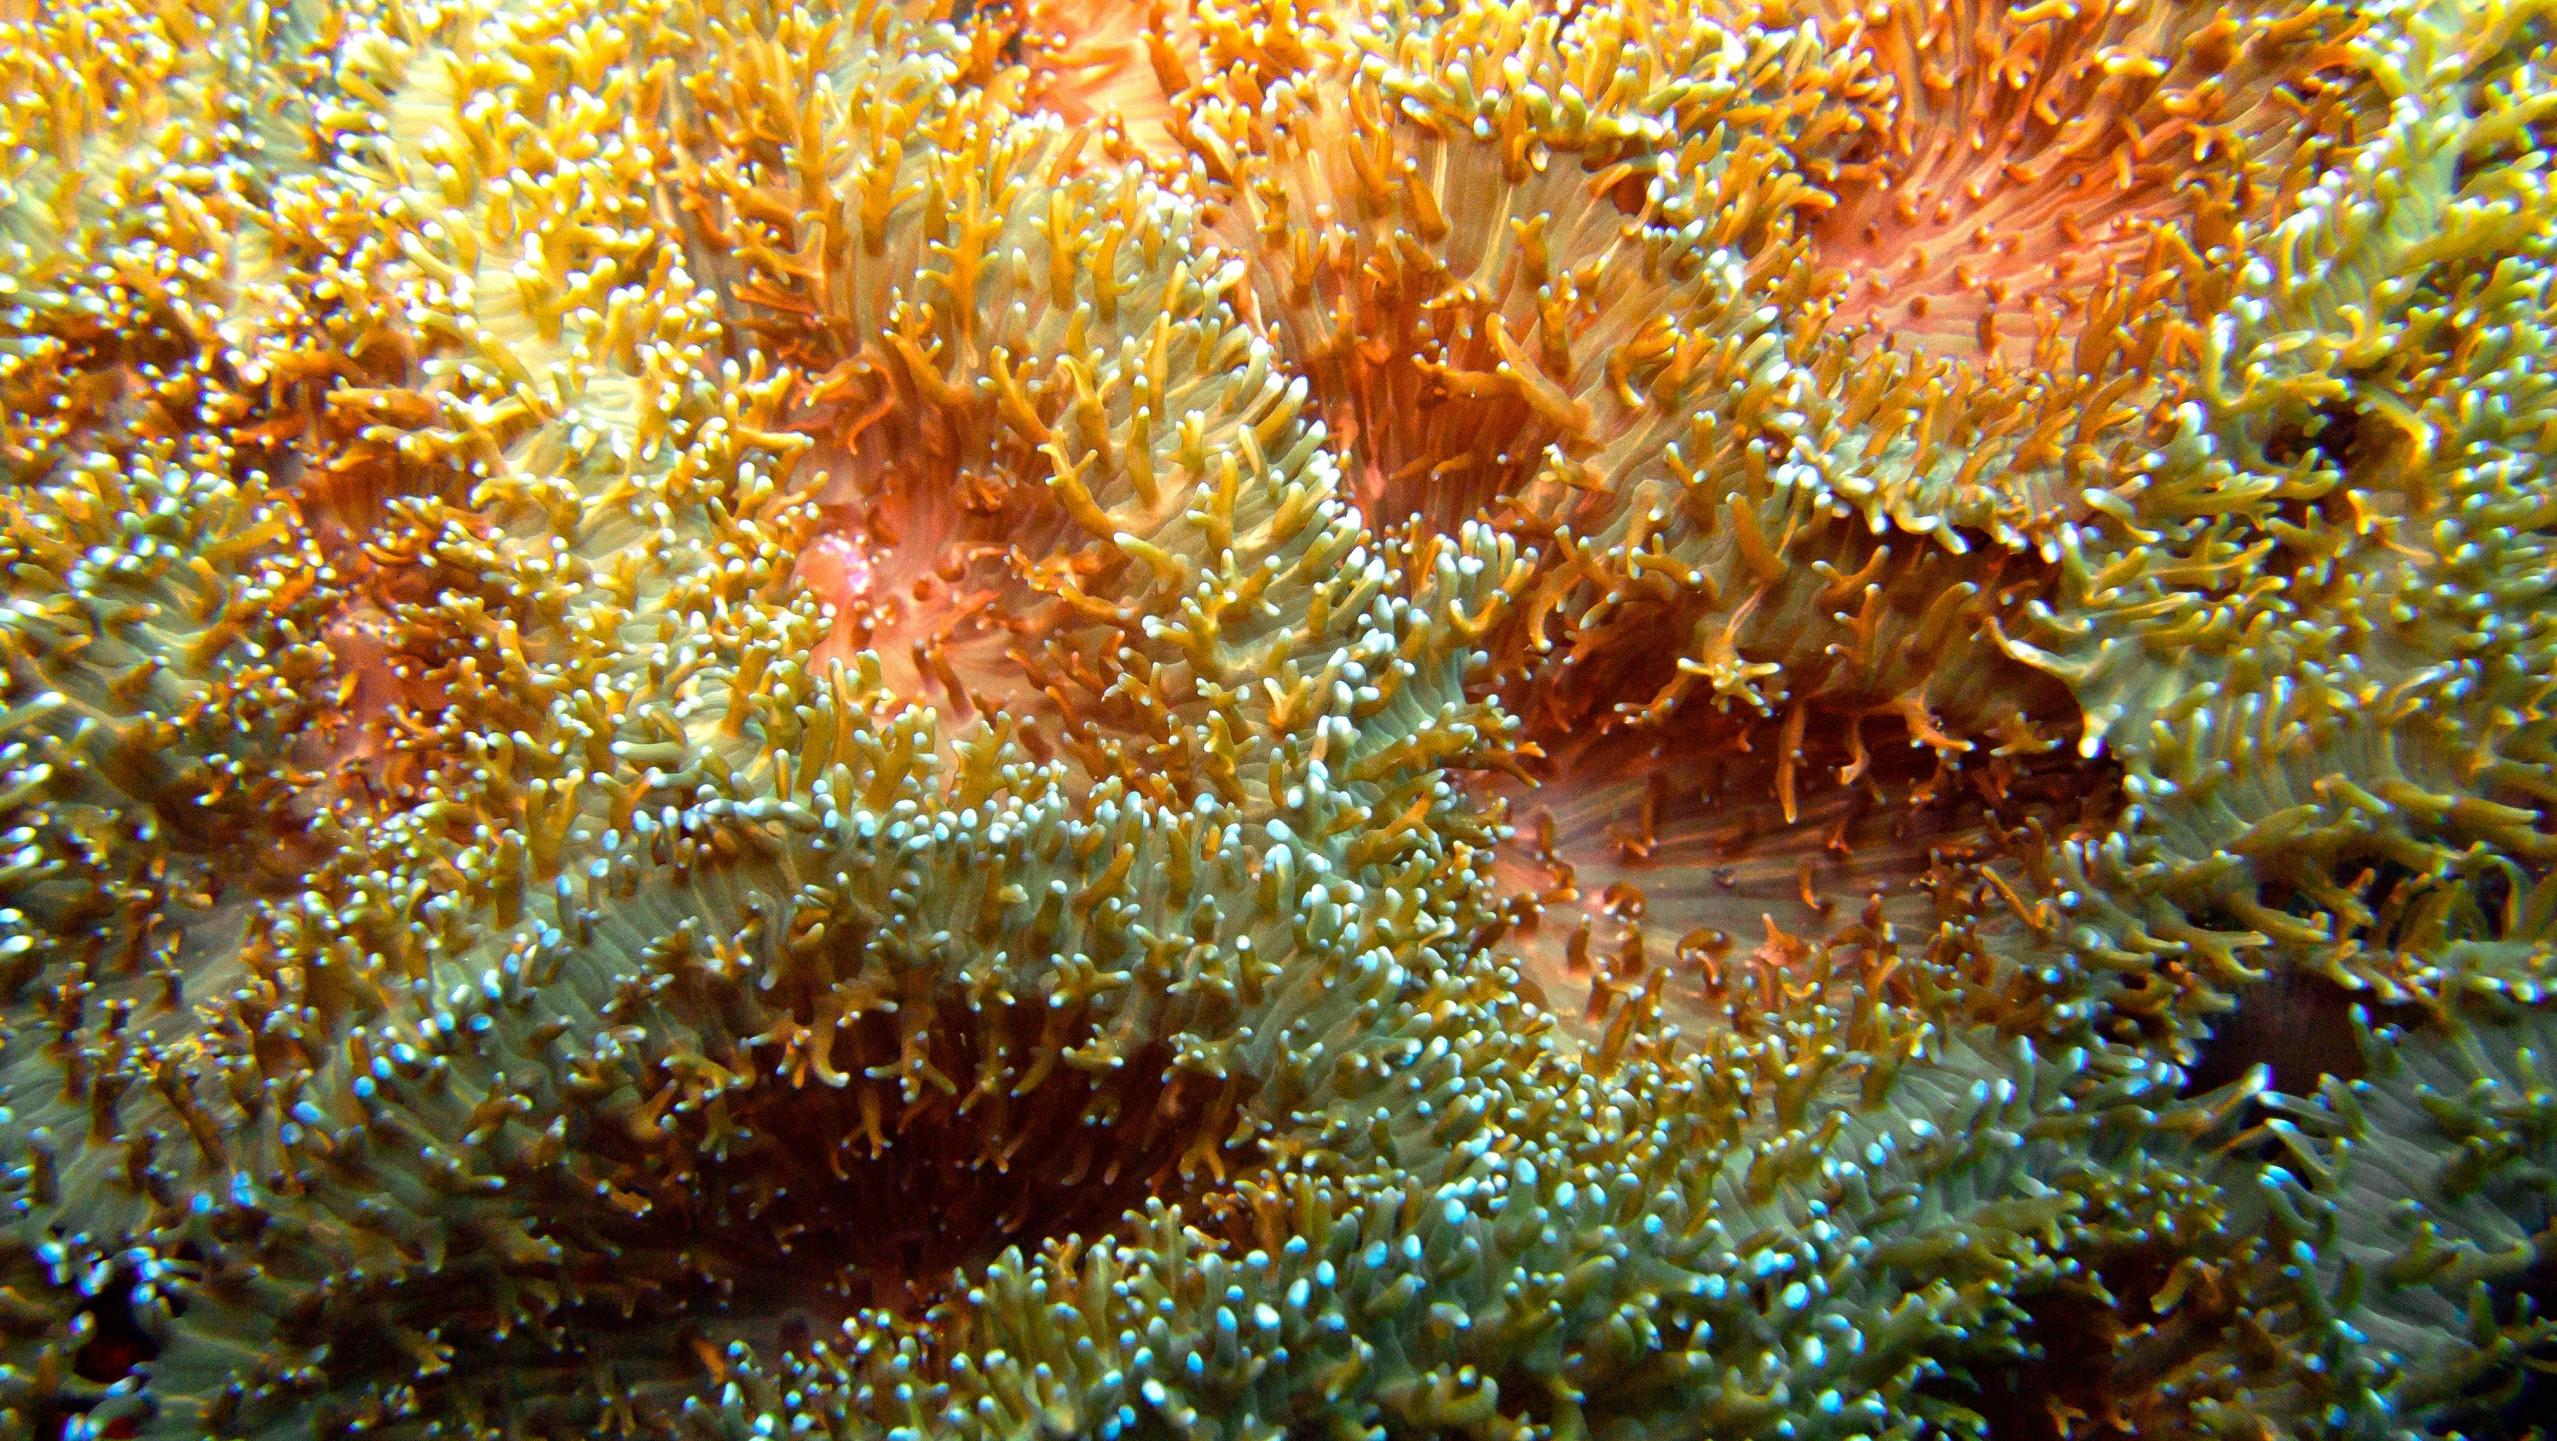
(1663, 719)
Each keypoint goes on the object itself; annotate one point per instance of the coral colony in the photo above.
(1399, 719)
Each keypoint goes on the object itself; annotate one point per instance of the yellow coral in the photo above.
(1404, 717)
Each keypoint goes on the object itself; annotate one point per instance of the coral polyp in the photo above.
(1639, 719)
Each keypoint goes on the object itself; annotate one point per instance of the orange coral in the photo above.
(2038, 155)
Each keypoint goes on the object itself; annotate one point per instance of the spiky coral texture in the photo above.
(734, 721)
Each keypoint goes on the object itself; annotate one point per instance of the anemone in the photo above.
(1649, 719)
